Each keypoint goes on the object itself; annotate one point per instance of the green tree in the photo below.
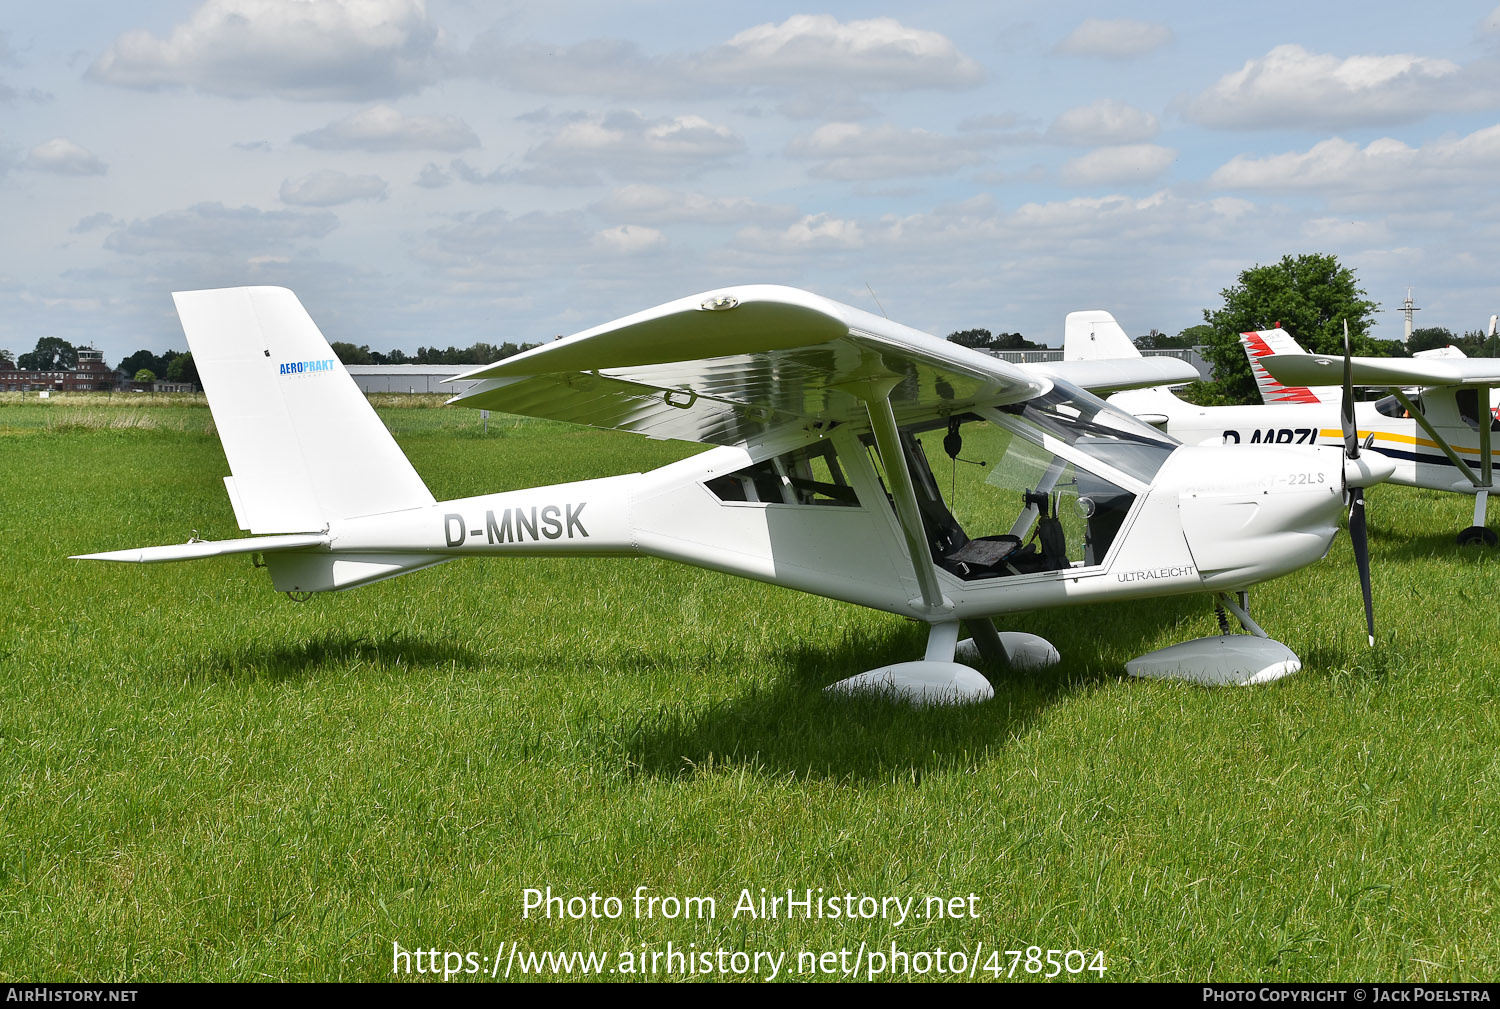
(1430, 338)
(1477, 343)
(1311, 296)
(7, 359)
(1013, 341)
(348, 353)
(182, 369)
(972, 338)
(145, 376)
(157, 364)
(1193, 336)
(52, 353)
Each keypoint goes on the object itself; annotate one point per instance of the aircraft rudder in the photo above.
(304, 444)
(1094, 335)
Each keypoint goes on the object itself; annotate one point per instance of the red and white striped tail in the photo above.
(1265, 342)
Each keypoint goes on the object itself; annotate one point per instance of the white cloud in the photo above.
(434, 176)
(329, 188)
(1103, 122)
(1118, 39)
(804, 52)
(630, 239)
(826, 105)
(1291, 86)
(215, 228)
(9, 94)
(850, 151)
(658, 205)
(879, 54)
(1331, 231)
(93, 222)
(494, 246)
(1349, 171)
(383, 128)
(61, 156)
(310, 50)
(628, 146)
(814, 232)
(560, 174)
(607, 67)
(1091, 226)
(1126, 164)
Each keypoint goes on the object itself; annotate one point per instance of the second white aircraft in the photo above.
(1429, 425)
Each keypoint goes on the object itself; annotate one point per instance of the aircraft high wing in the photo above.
(832, 429)
(725, 369)
(1442, 402)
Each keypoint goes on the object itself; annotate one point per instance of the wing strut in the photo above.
(1442, 443)
(1486, 464)
(876, 396)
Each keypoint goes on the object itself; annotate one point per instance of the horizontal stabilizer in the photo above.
(1104, 377)
(198, 549)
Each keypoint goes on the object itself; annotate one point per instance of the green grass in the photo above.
(202, 779)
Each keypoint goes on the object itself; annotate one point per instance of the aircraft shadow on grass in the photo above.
(294, 660)
(1394, 548)
(792, 727)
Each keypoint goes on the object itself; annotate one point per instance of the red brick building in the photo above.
(90, 375)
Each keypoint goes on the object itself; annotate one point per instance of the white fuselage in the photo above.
(1207, 521)
(1419, 461)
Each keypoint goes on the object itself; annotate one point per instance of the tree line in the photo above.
(479, 353)
(1311, 296)
(56, 354)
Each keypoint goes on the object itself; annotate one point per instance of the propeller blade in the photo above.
(1346, 416)
(1357, 536)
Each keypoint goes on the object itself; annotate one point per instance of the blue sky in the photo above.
(446, 172)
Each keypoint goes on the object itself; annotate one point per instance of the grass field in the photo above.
(201, 779)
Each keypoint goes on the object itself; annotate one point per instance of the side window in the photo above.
(806, 476)
(1390, 406)
(1468, 408)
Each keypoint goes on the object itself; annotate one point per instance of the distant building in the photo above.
(409, 378)
(90, 375)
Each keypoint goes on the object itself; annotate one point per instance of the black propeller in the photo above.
(1357, 532)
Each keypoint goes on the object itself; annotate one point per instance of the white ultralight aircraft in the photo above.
(1428, 425)
(826, 421)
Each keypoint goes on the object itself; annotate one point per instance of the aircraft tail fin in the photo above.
(1264, 342)
(1095, 336)
(304, 445)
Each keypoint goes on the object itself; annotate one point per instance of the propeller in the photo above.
(1357, 532)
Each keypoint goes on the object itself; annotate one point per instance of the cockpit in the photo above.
(1042, 485)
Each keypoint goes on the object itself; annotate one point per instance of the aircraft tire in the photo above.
(1476, 535)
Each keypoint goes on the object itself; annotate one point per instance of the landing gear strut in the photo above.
(1477, 534)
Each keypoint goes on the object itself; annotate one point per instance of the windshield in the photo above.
(1083, 420)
